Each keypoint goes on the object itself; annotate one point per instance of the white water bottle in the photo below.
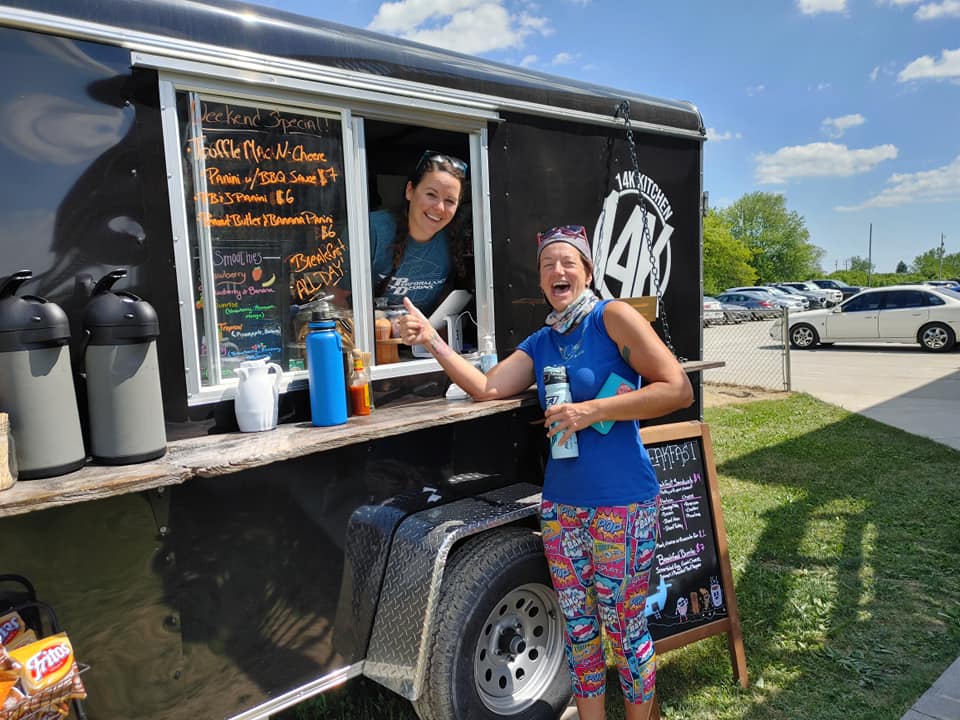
(556, 390)
(488, 353)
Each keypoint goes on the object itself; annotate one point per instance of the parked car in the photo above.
(829, 296)
(814, 300)
(848, 291)
(793, 302)
(758, 305)
(948, 284)
(834, 296)
(897, 314)
(734, 314)
(712, 311)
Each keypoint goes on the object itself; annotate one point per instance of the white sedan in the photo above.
(897, 314)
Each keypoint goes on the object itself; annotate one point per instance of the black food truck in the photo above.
(219, 161)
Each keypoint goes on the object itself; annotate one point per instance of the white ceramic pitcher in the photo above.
(258, 395)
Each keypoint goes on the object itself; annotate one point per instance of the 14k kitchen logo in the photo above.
(622, 262)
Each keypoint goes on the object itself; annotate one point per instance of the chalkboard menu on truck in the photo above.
(691, 588)
(270, 222)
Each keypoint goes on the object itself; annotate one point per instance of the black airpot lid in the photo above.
(118, 317)
(28, 322)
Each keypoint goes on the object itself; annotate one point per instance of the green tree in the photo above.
(929, 266)
(901, 267)
(859, 264)
(726, 260)
(778, 239)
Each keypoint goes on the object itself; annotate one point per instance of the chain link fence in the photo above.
(753, 347)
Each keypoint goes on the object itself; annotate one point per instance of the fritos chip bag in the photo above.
(49, 676)
(14, 632)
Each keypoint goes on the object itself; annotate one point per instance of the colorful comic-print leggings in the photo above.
(600, 561)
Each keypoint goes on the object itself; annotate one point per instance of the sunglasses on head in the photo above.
(432, 156)
(563, 231)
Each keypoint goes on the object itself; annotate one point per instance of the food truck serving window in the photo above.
(269, 234)
(273, 203)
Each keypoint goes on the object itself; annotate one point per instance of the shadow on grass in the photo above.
(845, 541)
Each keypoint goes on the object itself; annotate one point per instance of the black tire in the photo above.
(803, 336)
(496, 596)
(936, 337)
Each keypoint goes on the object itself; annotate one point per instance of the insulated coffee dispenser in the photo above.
(36, 382)
(123, 376)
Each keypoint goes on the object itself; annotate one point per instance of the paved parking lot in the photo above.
(900, 385)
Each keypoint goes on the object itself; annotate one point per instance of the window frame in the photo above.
(354, 106)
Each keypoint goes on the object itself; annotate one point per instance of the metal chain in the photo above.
(623, 110)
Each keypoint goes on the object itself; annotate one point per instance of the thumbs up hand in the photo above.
(415, 329)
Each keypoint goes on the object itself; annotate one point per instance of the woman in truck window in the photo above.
(414, 252)
(599, 509)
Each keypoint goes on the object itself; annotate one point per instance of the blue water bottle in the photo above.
(328, 388)
(556, 390)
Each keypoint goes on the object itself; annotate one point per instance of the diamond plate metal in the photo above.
(397, 657)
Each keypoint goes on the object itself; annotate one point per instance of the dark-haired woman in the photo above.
(414, 253)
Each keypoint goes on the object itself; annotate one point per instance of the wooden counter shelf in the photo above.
(212, 455)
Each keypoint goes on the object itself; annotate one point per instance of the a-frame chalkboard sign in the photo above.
(691, 588)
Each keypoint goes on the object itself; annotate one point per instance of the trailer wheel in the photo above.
(498, 647)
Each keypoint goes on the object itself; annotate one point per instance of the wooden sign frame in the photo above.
(731, 623)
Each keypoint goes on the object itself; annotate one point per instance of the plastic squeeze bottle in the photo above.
(556, 390)
(488, 353)
(359, 387)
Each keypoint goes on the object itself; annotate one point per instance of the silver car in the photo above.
(833, 296)
(816, 299)
(794, 302)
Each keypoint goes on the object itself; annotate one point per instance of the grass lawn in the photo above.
(844, 535)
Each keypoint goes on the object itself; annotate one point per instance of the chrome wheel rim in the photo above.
(520, 649)
(935, 338)
(803, 337)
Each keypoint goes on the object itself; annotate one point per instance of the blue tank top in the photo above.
(612, 469)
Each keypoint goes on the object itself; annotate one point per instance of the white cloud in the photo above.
(836, 127)
(819, 160)
(528, 60)
(755, 90)
(905, 2)
(935, 11)
(717, 136)
(874, 74)
(927, 67)
(564, 58)
(812, 7)
(938, 185)
(821, 86)
(468, 26)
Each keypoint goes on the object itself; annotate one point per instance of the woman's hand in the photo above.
(415, 329)
(569, 418)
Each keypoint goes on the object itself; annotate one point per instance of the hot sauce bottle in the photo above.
(359, 387)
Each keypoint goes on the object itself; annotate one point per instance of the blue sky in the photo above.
(849, 108)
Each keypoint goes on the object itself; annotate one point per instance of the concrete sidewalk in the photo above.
(941, 701)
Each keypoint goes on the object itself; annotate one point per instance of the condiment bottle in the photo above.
(359, 387)
(556, 390)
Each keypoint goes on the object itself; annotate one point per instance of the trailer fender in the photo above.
(398, 654)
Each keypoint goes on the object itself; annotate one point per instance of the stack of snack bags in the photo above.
(38, 678)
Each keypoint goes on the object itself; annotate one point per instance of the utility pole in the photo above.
(870, 254)
(940, 271)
